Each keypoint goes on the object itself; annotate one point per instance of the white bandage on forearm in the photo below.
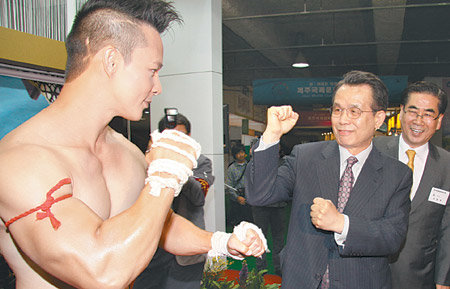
(178, 171)
(159, 183)
(181, 171)
(219, 240)
(177, 136)
(219, 245)
(177, 150)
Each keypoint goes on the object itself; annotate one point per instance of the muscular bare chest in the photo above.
(109, 182)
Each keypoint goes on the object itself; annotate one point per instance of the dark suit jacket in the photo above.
(425, 257)
(378, 210)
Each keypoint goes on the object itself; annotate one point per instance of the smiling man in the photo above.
(424, 260)
(350, 202)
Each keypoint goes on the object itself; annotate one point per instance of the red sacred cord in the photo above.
(46, 206)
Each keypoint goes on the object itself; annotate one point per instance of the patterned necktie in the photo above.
(345, 186)
(411, 154)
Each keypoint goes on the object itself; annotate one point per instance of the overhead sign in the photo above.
(320, 118)
(306, 91)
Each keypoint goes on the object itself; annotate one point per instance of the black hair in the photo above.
(429, 88)
(236, 149)
(181, 120)
(380, 93)
(115, 22)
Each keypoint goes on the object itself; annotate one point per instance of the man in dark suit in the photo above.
(334, 243)
(424, 260)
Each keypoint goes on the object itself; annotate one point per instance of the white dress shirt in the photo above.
(420, 160)
(344, 154)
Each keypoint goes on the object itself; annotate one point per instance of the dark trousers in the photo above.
(164, 272)
(185, 277)
(7, 279)
(156, 274)
(273, 218)
(238, 213)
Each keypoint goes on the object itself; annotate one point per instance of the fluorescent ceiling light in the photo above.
(300, 65)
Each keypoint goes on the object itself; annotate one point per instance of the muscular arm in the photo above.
(90, 249)
(86, 251)
(181, 237)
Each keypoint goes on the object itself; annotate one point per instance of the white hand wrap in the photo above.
(159, 183)
(179, 170)
(177, 137)
(219, 240)
(241, 232)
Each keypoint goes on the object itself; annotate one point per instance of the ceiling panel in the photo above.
(263, 38)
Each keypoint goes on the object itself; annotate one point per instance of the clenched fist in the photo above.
(325, 216)
(280, 120)
(253, 245)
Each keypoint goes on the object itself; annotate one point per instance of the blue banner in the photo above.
(307, 91)
(16, 105)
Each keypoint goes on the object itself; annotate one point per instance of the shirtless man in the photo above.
(100, 226)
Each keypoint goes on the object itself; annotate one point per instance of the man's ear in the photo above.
(380, 116)
(439, 121)
(111, 58)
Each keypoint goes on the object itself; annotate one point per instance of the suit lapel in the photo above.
(369, 179)
(328, 172)
(428, 178)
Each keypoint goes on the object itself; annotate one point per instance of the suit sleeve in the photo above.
(267, 183)
(382, 236)
(230, 181)
(204, 171)
(192, 189)
(442, 270)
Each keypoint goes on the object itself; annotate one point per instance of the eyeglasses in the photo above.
(426, 116)
(352, 112)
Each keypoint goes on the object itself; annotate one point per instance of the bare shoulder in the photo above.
(25, 170)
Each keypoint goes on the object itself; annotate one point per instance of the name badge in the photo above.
(438, 196)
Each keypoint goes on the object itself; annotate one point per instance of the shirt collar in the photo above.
(420, 151)
(344, 154)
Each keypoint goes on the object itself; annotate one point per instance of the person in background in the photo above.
(350, 202)
(424, 259)
(235, 189)
(167, 270)
(80, 205)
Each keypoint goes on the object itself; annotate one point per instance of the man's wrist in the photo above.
(270, 137)
(340, 224)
